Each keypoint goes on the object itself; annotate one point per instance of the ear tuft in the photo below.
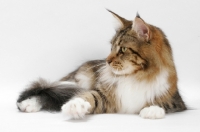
(119, 21)
(138, 15)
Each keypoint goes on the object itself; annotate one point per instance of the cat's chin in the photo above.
(124, 72)
(127, 70)
(121, 72)
(117, 72)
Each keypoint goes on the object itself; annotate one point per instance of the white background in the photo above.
(50, 38)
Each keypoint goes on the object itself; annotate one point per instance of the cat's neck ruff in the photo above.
(131, 94)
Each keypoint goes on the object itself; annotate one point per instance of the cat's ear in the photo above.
(141, 28)
(119, 22)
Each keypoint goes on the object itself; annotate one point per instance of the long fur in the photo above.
(51, 95)
(138, 76)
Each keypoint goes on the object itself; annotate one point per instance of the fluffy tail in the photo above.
(51, 96)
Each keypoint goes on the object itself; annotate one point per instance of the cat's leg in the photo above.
(171, 102)
(76, 108)
(88, 102)
(152, 112)
(174, 104)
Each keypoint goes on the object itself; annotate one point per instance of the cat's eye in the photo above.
(123, 49)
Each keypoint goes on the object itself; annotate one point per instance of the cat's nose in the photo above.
(110, 58)
(109, 61)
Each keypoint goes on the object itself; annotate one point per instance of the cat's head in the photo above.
(138, 46)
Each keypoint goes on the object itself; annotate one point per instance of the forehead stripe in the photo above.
(118, 39)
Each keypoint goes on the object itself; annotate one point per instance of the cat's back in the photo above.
(87, 74)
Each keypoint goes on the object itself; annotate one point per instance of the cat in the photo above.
(137, 77)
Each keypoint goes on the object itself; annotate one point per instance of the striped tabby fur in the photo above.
(138, 77)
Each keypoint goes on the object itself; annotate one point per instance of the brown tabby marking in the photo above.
(138, 76)
(149, 56)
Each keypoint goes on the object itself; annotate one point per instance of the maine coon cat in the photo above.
(137, 77)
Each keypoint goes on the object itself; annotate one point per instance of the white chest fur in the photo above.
(133, 95)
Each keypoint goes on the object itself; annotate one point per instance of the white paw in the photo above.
(30, 105)
(76, 108)
(152, 112)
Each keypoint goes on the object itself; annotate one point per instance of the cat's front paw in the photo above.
(29, 105)
(76, 108)
(152, 112)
